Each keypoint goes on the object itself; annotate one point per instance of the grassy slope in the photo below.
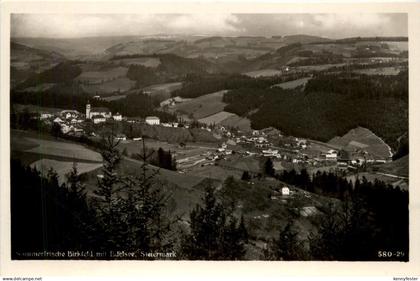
(367, 140)
(398, 167)
(202, 106)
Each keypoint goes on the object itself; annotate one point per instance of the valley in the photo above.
(283, 129)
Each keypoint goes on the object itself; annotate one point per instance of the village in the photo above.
(232, 145)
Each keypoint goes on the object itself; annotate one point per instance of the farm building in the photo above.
(285, 191)
(152, 120)
(117, 117)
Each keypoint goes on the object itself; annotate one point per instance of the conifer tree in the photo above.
(286, 247)
(106, 202)
(147, 227)
(268, 167)
(214, 234)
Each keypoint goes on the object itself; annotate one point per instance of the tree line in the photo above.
(130, 213)
(196, 85)
(329, 106)
(363, 224)
(123, 213)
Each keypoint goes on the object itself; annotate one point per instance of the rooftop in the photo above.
(152, 118)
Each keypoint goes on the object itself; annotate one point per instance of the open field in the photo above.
(319, 67)
(40, 88)
(236, 162)
(402, 183)
(362, 138)
(214, 172)
(293, 84)
(398, 46)
(216, 118)
(62, 167)
(184, 190)
(121, 84)
(144, 61)
(263, 73)
(112, 98)
(102, 76)
(202, 106)
(379, 71)
(243, 124)
(31, 143)
(398, 167)
(162, 90)
(59, 148)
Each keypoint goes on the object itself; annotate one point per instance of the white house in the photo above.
(45, 116)
(121, 137)
(117, 117)
(270, 152)
(98, 119)
(152, 120)
(331, 155)
(285, 191)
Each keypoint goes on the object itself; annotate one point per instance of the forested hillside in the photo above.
(330, 106)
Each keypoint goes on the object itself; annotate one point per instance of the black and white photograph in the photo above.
(209, 136)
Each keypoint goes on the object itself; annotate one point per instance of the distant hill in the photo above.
(25, 53)
(75, 47)
(214, 47)
(26, 61)
(304, 39)
(62, 73)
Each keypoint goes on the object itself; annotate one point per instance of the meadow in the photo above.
(263, 73)
(293, 84)
(202, 106)
(63, 167)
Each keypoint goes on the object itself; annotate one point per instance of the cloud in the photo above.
(64, 25)
(328, 25)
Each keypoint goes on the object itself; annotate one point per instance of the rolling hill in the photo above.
(26, 61)
(363, 139)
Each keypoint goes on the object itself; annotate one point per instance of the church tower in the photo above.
(88, 110)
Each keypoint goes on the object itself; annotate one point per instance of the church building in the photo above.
(97, 111)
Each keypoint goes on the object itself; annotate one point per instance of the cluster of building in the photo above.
(101, 114)
(70, 121)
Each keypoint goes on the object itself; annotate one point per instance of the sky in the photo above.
(325, 25)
